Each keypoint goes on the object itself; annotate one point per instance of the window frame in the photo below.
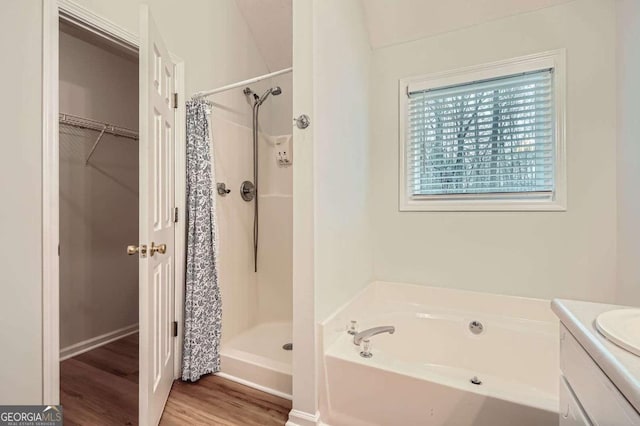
(556, 201)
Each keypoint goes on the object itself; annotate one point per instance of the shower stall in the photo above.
(252, 150)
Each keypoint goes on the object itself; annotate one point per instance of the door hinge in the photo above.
(58, 250)
(175, 100)
(175, 329)
(175, 215)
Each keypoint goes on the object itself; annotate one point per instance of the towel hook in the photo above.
(222, 189)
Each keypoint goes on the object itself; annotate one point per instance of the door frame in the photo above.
(90, 21)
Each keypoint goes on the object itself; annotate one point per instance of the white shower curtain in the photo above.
(203, 307)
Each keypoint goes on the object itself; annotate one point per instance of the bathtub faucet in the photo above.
(366, 334)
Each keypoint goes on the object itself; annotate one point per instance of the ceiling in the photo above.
(397, 21)
(389, 22)
(270, 22)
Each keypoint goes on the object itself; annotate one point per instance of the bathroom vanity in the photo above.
(599, 380)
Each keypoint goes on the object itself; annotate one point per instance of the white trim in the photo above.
(300, 418)
(95, 342)
(50, 209)
(555, 59)
(254, 385)
(97, 24)
(305, 363)
(506, 67)
(181, 203)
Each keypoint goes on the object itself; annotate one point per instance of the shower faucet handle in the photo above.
(247, 190)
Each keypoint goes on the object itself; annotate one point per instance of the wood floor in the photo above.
(100, 387)
(217, 401)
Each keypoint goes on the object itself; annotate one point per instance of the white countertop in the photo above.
(622, 367)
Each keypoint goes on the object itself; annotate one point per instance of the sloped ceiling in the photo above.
(389, 22)
(270, 22)
(397, 21)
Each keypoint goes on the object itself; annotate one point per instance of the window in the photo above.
(485, 138)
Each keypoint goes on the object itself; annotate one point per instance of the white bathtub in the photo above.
(420, 375)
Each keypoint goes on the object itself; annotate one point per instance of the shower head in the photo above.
(275, 91)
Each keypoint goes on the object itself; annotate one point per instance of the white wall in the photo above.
(332, 254)
(98, 201)
(343, 256)
(628, 167)
(305, 338)
(275, 249)
(210, 35)
(569, 254)
(21, 195)
(281, 107)
(399, 21)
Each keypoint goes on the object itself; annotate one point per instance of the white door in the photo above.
(157, 119)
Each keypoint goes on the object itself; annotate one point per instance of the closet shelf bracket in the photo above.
(95, 145)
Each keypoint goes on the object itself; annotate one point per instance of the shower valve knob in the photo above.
(247, 190)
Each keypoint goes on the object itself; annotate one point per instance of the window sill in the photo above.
(451, 204)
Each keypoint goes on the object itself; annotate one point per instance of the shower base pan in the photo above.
(256, 358)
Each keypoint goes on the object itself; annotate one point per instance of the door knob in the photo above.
(160, 248)
(131, 250)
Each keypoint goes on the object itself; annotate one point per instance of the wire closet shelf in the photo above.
(101, 127)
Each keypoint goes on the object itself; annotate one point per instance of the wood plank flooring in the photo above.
(217, 401)
(100, 387)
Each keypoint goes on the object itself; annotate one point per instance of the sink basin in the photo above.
(622, 327)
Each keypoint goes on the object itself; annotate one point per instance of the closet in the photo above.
(98, 143)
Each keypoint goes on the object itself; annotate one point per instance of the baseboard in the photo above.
(96, 342)
(254, 385)
(300, 418)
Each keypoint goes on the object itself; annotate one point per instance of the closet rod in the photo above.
(204, 93)
(98, 126)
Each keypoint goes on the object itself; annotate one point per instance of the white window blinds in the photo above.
(485, 137)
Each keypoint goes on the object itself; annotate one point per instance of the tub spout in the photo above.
(366, 334)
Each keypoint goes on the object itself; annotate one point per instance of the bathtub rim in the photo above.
(333, 325)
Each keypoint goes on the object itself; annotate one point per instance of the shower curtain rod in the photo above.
(204, 93)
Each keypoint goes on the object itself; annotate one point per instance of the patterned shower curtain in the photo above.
(203, 307)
